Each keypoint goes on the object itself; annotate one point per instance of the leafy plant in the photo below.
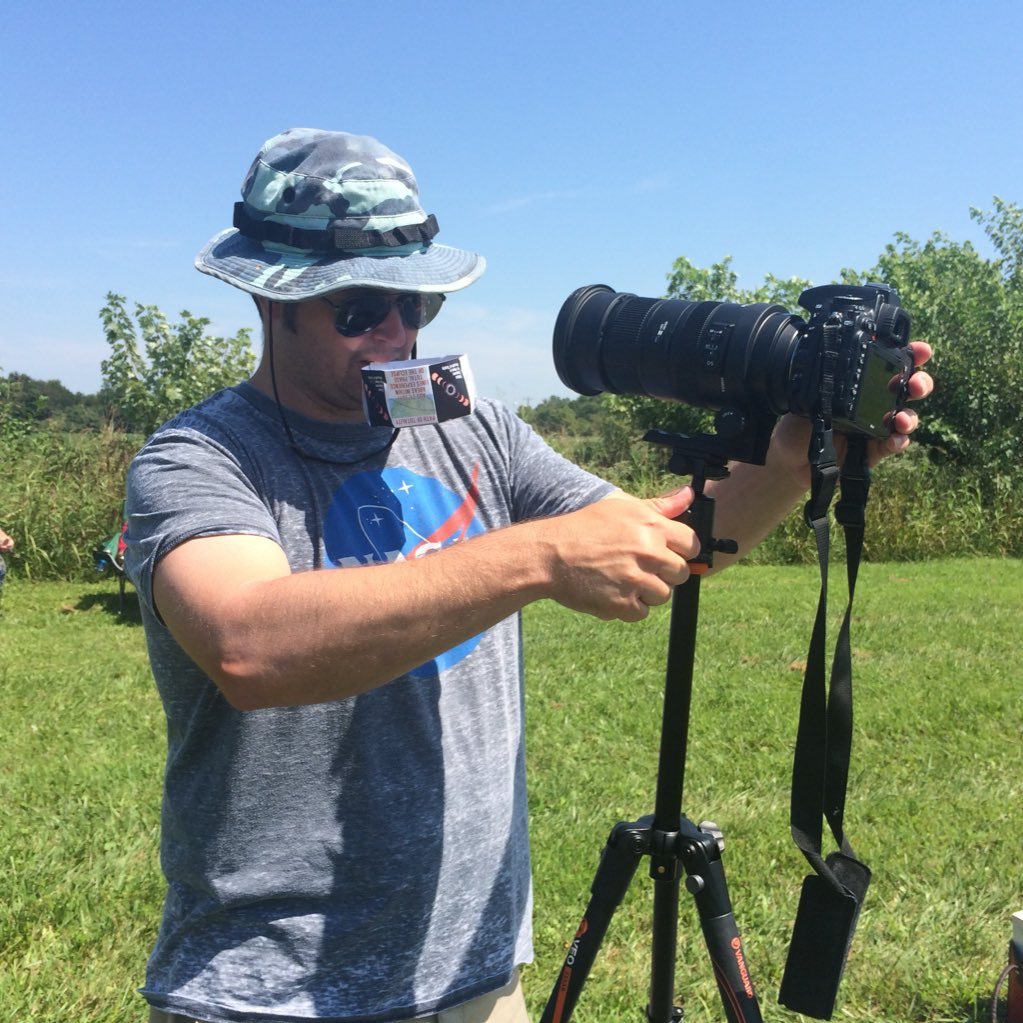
(157, 369)
(971, 310)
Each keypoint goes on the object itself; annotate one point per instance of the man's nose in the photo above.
(392, 331)
(392, 324)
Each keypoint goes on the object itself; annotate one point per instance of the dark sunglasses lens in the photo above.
(363, 313)
(419, 310)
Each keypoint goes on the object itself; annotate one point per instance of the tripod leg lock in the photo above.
(692, 846)
(664, 855)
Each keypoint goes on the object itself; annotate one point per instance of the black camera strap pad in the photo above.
(831, 898)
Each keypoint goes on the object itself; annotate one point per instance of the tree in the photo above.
(49, 403)
(13, 422)
(721, 284)
(971, 310)
(157, 369)
(564, 416)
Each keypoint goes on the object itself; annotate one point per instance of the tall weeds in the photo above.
(61, 496)
(918, 509)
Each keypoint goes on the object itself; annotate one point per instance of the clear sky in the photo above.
(570, 143)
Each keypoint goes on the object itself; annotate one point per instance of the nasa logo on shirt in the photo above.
(394, 514)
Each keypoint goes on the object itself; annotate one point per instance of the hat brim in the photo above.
(292, 275)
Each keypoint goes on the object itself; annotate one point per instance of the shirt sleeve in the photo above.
(546, 483)
(183, 485)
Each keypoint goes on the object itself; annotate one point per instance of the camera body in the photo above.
(858, 338)
(847, 363)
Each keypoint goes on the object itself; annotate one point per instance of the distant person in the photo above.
(331, 611)
(6, 546)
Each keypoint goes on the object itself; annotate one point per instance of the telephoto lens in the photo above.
(849, 362)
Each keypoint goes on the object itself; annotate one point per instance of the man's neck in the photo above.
(306, 406)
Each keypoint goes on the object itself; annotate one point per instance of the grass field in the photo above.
(934, 804)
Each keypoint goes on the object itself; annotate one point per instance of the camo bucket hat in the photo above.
(325, 210)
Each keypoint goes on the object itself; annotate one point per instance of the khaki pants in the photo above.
(504, 1006)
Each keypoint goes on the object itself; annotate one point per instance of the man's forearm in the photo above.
(749, 504)
(268, 637)
(309, 637)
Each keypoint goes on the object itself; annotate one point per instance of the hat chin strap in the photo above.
(292, 442)
(331, 239)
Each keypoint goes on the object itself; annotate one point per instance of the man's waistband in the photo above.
(160, 1016)
(163, 1016)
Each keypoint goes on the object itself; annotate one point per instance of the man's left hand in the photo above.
(791, 436)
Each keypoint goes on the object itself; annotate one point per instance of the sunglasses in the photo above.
(360, 314)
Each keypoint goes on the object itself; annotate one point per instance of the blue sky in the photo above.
(570, 143)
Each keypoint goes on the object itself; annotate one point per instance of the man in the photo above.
(331, 613)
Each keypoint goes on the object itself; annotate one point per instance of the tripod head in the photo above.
(703, 457)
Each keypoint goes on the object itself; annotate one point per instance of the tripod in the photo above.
(671, 840)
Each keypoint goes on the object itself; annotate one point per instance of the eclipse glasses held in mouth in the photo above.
(360, 314)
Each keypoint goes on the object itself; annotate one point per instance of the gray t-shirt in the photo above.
(363, 859)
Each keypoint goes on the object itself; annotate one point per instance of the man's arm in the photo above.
(270, 637)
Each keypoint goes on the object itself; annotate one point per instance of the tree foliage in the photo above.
(49, 403)
(721, 284)
(15, 420)
(156, 369)
(971, 311)
(564, 417)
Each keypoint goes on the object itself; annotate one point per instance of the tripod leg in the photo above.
(705, 879)
(661, 1007)
(618, 861)
(668, 837)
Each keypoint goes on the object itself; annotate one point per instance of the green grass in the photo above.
(934, 795)
(933, 807)
(80, 767)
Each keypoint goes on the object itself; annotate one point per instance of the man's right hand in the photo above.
(621, 556)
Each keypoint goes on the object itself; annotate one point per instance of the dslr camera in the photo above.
(847, 363)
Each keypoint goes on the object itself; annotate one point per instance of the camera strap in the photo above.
(831, 898)
(824, 738)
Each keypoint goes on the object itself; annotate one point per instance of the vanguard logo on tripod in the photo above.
(845, 370)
